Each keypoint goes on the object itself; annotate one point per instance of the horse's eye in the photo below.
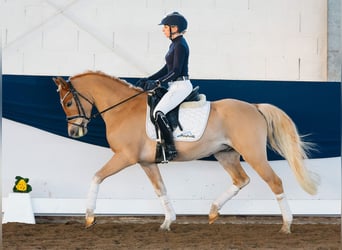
(68, 104)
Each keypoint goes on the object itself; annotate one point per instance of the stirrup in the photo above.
(164, 153)
(171, 151)
(160, 154)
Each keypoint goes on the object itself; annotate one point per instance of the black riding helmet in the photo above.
(175, 19)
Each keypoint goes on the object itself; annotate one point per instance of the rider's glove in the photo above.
(141, 83)
(151, 84)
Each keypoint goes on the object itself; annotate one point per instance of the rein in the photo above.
(115, 105)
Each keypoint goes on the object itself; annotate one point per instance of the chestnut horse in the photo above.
(235, 128)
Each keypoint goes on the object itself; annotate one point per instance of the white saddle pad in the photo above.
(193, 116)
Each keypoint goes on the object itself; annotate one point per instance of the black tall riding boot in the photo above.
(167, 135)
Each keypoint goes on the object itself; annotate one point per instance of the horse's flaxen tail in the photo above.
(284, 139)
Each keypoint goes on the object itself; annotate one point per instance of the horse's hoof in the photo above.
(213, 214)
(285, 229)
(165, 226)
(164, 229)
(90, 221)
(213, 218)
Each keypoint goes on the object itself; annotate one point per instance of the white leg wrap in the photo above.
(92, 194)
(284, 208)
(226, 196)
(167, 206)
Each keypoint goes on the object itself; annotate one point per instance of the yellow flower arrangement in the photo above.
(21, 185)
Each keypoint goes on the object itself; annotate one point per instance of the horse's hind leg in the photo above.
(262, 167)
(154, 175)
(230, 160)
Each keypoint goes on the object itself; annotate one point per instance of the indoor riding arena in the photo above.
(54, 193)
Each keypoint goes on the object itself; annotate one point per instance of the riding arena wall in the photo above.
(248, 49)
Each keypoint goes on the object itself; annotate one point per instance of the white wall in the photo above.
(245, 39)
(60, 171)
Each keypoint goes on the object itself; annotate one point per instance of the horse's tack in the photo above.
(192, 115)
(117, 104)
(75, 94)
(154, 98)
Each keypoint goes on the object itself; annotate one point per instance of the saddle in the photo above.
(173, 116)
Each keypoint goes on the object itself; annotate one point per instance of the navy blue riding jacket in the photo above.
(177, 59)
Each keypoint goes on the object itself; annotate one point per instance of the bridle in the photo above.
(81, 113)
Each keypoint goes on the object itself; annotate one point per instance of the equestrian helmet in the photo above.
(175, 19)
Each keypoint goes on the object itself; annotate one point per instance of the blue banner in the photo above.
(315, 107)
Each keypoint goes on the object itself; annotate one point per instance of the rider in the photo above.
(174, 74)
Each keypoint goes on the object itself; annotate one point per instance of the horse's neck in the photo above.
(106, 92)
(100, 88)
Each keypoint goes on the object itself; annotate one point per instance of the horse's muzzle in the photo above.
(77, 131)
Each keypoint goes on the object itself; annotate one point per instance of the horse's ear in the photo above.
(60, 82)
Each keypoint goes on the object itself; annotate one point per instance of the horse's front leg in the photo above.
(114, 165)
(154, 175)
(91, 201)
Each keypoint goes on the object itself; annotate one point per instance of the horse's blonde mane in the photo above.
(100, 73)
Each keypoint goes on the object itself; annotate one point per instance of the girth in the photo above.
(172, 116)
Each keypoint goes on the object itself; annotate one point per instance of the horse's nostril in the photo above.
(73, 132)
(77, 132)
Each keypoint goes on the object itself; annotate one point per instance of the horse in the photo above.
(234, 129)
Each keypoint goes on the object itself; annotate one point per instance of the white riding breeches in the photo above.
(177, 92)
